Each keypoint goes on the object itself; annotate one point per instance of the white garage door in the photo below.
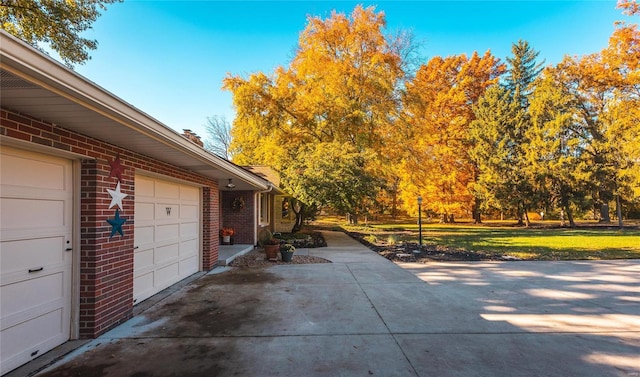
(36, 202)
(167, 228)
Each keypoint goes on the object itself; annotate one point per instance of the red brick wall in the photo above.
(106, 265)
(210, 226)
(242, 220)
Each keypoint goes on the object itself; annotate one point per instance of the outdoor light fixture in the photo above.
(420, 221)
(230, 185)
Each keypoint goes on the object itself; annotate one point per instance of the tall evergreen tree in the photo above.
(496, 139)
(522, 71)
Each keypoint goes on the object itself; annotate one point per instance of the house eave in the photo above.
(43, 88)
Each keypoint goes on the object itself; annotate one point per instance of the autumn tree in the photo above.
(58, 23)
(438, 110)
(339, 90)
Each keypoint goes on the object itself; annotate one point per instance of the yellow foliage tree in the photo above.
(341, 88)
(439, 109)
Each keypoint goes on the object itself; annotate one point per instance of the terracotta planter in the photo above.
(272, 252)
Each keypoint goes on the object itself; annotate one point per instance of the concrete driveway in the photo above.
(365, 316)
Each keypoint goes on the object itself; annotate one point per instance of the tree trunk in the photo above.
(619, 212)
(527, 222)
(520, 217)
(567, 209)
(604, 213)
(475, 209)
(298, 209)
(394, 204)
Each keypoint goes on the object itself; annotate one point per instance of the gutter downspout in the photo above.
(256, 212)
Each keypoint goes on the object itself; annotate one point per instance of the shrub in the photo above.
(371, 238)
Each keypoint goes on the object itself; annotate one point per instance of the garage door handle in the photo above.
(137, 247)
(68, 249)
(32, 270)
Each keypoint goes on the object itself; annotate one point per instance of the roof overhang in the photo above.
(33, 83)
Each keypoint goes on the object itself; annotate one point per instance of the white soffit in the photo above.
(33, 83)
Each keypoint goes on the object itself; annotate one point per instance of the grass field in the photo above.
(537, 243)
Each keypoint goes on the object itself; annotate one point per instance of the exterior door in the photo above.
(167, 229)
(36, 203)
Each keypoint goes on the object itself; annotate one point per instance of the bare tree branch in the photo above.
(218, 136)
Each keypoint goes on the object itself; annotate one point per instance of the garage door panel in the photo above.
(143, 286)
(29, 171)
(144, 234)
(189, 211)
(19, 213)
(22, 255)
(142, 258)
(189, 229)
(167, 212)
(189, 247)
(37, 336)
(189, 193)
(189, 266)
(145, 187)
(22, 296)
(25, 316)
(167, 275)
(167, 232)
(167, 190)
(166, 253)
(145, 211)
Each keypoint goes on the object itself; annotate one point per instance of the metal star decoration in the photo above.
(116, 224)
(116, 197)
(116, 169)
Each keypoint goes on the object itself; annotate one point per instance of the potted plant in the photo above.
(226, 234)
(270, 244)
(271, 248)
(286, 252)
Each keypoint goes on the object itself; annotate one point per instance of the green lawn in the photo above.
(588, 242)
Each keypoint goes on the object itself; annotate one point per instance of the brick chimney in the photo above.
(192, 137)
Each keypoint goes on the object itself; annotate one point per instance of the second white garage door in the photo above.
(167, 228)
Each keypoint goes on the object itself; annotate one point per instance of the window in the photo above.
(264, 209)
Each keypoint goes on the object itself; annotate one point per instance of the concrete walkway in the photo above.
(365, 316)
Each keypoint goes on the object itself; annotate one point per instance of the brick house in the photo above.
(101, 205)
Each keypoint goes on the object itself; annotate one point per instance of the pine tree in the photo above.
(522, 72)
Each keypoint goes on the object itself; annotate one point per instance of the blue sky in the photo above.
(168, 58)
